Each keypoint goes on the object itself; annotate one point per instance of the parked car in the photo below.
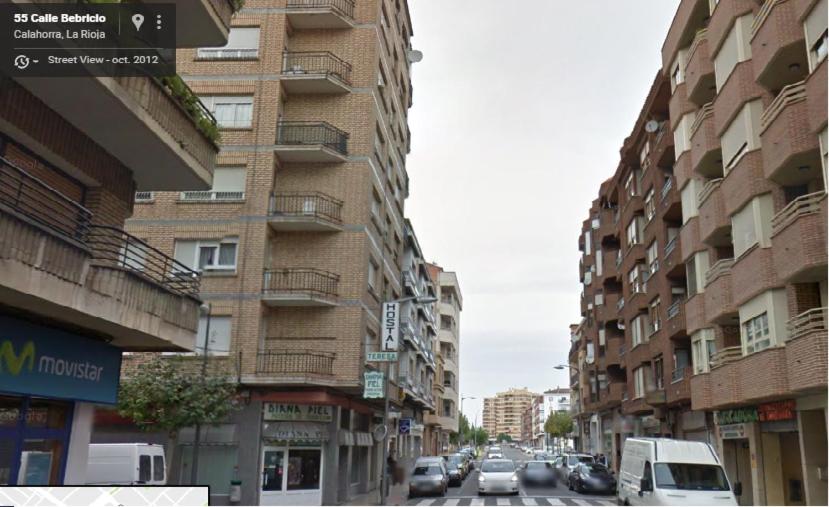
(567, 462)
(429, 477)
(591, 477)
(663, 471)
(126, 464)
(456, 468)
(470, 455)
(498, 476)
(539, 473)
(494, 452)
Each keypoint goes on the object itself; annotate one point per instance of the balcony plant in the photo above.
(190, 102)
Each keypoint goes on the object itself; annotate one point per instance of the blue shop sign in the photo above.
(42, 361)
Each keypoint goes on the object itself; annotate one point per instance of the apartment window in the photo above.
(630, 185)
(228, 184)
(688, 197)
(447, 408)
(376, 206)
(735, 49)
(682, 134)
(230, 111)
(445, 322)
(207, 255)
(658, 376)
(639, 383)
(751, 225)
(678, 69)
(635, 279)
(814, 28)
(824, 153)
(588, 244)
(638, 326)
(644, 161)
(599, 263)
(372, 274)
(742, 134)
(650, 205)
(703, 348)
(756, 336)
(695, 270)
(654, 311)
(241, 43)
(602, 337)
(653, 257)
(218, 343)
(634, 231)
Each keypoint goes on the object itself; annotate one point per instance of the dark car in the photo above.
(539, 473)
(456, 467)
(591, 477)
(429, 477)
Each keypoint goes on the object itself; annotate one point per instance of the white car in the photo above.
(498, 476)
(494, 455)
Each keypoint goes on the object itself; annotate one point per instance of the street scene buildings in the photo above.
(704, 255)
(504, 412)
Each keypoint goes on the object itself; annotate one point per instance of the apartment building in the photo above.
(527, 425)
(720, 276)
(299, 239)
(503, 412)
(443, 421)
(550, 402)
(76, 290)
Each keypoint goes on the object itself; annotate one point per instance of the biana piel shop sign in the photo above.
(294, 412)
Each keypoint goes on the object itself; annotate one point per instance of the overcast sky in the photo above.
(520, 108)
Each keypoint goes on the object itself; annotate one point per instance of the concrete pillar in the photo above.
(757, 467)
(249, 427)
(811, 427)
(77, 456)
(330, 460)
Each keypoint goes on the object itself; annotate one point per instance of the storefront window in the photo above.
(40, 462)
(10, 411)
(304, 469)
(272, 474)
(47, 414)
(6, 456)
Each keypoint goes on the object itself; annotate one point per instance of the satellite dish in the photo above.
(652, 126)
(414, 55)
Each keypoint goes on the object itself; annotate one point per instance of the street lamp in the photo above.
(466, 398)
(423, 300)
(562, 366)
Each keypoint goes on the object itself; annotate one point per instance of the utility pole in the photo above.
(194, 470)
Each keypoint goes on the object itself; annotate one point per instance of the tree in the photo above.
(503, 437)
(478, 436)
(558, 425)
(168, 394)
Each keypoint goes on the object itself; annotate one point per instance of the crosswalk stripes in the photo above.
(515, 501)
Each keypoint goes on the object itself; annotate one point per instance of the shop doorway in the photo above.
(737, 458)
(291, 476)
(34, 439)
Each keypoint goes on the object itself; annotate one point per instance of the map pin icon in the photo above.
(137, 20)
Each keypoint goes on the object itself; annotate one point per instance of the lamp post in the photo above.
(465, 398)
(385, 477)
(194, 470)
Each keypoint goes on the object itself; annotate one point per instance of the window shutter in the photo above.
(229, 179)
(185, 253)
(816, 23)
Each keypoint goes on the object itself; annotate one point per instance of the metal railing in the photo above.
(301, 281)
(762, 15)
(803, 205)
(212, 195)
(666, 188)
(312, 133)
(699, 37)
(679, 374)
(295, 362)
(708, 189)
(345, 7)
(143, 196)
(705, 112)
(727, 355)
(115, 248)
(674, 309)
(719, 268)
(227, 54)
(789, 94)
(306, 204)
(807, 322)
(324, 63)
(35, 200)
(671, 245)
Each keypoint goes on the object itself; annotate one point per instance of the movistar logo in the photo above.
(14, 362)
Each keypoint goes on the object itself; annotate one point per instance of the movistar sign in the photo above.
(43, 361)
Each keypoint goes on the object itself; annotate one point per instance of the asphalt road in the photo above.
(467, 493)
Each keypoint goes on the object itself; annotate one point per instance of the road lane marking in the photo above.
(451, 501)
(555, 501)
(477, 501)
(502, 501)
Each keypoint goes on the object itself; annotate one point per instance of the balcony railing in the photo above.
(719, 268)
(312, 133)
(144, 196)
(669, 247)
(673, 310)
(726, 355)
(295, 362)
(762, 15)
(807, 322)
(306, 204)
(790, 94)
(705, 112)
(803, 205)
(301, 281)
(35, 200)
(344, 7)
(213, 195)
(116, 248)
(679, 374)
(316, 63)
(228, 54)
(620, 304)
(708, 189)
(666, 188)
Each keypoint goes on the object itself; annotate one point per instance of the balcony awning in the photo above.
(291, 431)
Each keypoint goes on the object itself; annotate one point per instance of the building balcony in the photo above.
(305, 211)
(56, 264)
(675, 319)
(679, 105)
(777, 44)
(701, 391)
(310, 142)
(300, 287)
(722, 19)
(738, 89)
(662, 150)
(294, 366)
(636, 406)
(609, 224)
(607, 311)
(744, 182)
(695, 313)
(724, 382)
(714, 223)
(656, 397)
(816, 98)
(612, 355)
(806, 351)
(679, 390)
(690, 16)
(689, 238)
(719, 303)
(799, 239)
(177, 150)
(791, 154)
(319, 72)
(670, 201)
(706, 154)
(752, 273)
(683, 171)
(699, 71)
(316, 14)
(672, 258)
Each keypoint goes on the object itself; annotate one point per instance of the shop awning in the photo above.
(358, 438)
(364, 439)
(295, 431)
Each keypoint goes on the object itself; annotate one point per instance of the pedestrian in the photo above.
(391, 467)
(602, 459)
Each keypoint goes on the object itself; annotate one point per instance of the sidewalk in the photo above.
(398, 494)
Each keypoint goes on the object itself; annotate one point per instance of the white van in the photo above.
(662, 471)
(126, 464)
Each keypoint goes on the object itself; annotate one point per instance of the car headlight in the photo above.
(481, 478)
(460, 467)
(514, 478)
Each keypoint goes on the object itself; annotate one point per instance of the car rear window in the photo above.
(428, 470)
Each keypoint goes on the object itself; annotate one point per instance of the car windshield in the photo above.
(427, 470)
(575, 460)
(498, 466)
(594, 468)
(454, 460)
(537, 465)
(690, 476)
